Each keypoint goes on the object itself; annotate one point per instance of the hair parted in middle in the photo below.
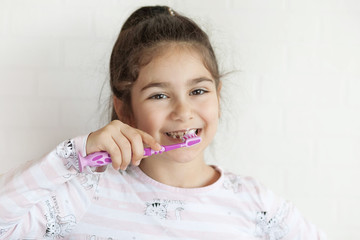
(145, 34)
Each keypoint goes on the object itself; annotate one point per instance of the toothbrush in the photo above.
(102, 158)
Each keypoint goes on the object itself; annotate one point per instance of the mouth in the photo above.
(182, 133)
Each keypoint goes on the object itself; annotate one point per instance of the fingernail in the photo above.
(158, 146)
(137, 163)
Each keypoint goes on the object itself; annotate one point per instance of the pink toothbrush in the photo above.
(98, 159)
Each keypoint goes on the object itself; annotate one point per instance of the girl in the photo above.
(165, 83)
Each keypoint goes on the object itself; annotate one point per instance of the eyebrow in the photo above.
(155, 84)
(201, 79)
(165, 84)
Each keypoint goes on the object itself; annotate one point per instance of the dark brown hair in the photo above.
(147, 31)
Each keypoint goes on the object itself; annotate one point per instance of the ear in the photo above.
(118, 105)
(122, 112)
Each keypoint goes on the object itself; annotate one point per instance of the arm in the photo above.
(44, 192)
(48, 197)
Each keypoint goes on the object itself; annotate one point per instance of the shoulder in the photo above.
(273, 216)
(251, 190)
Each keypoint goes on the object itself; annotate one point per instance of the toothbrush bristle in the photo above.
(188, 136)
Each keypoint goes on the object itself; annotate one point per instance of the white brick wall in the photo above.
(291, 110)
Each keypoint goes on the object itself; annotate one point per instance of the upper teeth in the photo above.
(180, 135)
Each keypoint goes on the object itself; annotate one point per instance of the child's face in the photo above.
(174, 93)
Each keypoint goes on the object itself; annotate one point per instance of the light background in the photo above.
(290, 108)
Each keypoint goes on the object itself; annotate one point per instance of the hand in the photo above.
(124, 143)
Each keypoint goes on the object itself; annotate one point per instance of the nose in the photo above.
(182, 111)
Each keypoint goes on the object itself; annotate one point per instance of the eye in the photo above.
(159, 96)
(198, 92)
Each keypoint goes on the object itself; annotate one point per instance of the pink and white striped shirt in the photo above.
(50, 199)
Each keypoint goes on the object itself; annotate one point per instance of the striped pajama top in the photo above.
(49, 199)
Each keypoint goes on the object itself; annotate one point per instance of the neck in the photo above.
(193, 174)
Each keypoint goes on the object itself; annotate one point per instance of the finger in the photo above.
(137, 146)
(120, 145)
(115, 154)
(125, 148)
(149, 140)
(146, 138)
(101, 140)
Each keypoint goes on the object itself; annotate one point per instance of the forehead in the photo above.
(175, 64)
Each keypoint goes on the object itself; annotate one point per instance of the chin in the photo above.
(183, 155)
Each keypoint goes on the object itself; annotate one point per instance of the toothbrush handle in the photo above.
(149, 151)
(95, 159)
(102, 158)
(174, 146)
(98, 159)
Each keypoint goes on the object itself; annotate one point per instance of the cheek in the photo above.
(147, 119)
(210, 110)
